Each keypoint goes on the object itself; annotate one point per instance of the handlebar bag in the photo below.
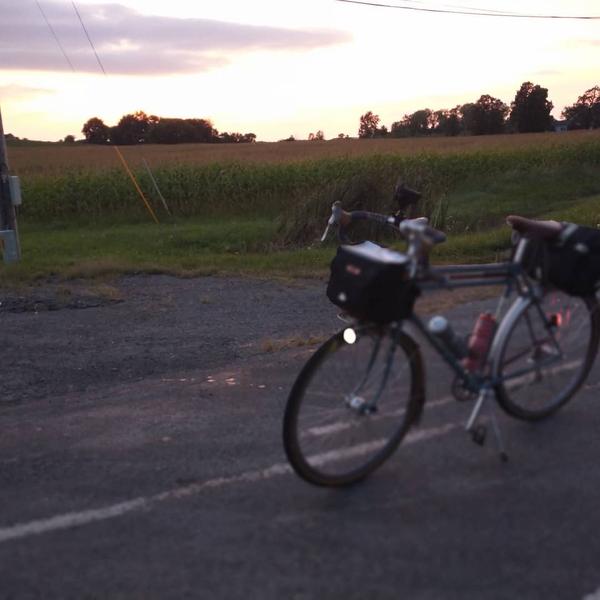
(372, 283)
(570, 263)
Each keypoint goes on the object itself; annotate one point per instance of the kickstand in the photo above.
(479, 431)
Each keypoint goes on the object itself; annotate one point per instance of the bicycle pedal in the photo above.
(478, 434)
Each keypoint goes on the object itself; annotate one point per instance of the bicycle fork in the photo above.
(354, 400)
(478, 430)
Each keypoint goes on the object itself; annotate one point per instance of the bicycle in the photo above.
(360, 393)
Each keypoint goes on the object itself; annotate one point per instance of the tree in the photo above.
(319, 136)
(203, 131)
(140, 128)
(418, 123)
(69, 139)
(368, 125)
(170, 131)
(186, 131)
(585, 113)
(484, 117)
(530, 110)
(95, 131)
(237, 138)
(400, 128)
(447, 122)
(131, 129)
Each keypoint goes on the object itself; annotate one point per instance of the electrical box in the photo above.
(15, 190)
(9, 247)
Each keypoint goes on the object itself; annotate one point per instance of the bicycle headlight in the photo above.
(349, 335)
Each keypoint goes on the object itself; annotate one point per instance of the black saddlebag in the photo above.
(570, 263)
(372, 283)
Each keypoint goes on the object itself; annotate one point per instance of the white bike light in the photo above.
(349, 335)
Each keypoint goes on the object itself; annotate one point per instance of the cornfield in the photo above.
(54, 160)
(284, 188)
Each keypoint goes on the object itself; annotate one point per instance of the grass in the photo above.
(181, 247)
(483, 202)
(193, 247)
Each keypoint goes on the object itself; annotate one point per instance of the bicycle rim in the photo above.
(547, 355)
(351, 406)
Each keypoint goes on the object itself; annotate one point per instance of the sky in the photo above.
(280, 67)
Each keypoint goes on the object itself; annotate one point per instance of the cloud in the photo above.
(132, 43)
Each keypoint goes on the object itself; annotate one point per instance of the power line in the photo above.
(484, 10)
(55, 36)
(114, 146)
(474, 12)
(88, 37)
(462, 7)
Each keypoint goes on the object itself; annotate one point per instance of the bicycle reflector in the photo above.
(556, 320)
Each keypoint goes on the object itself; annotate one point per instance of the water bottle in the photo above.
(440, 327)
(479, 342)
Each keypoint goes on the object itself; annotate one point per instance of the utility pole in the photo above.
(9, 236)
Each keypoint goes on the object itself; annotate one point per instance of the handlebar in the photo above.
(420, 235)
(408, 228)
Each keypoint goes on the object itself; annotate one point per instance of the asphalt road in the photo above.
(171, 482)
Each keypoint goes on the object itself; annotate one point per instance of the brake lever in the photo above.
(334, 219)
(329, 224)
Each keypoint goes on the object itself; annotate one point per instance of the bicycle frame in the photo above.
(508, 274)
(353, 396)
(513, 277)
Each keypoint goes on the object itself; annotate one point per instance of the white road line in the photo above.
(76, 519)
(342, 426)
(369, 447)
(593, 596)
(524, 380)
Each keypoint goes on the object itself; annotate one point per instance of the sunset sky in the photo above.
(281, 67)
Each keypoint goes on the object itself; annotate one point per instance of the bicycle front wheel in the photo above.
(352, 404)
(547, 354)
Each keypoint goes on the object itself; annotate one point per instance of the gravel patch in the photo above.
(148, 326)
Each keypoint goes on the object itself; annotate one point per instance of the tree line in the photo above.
(529, 112)
(140, 128)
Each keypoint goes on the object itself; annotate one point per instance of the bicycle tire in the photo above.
(546, 354)
(329, 438)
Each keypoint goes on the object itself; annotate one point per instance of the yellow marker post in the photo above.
(135, 183)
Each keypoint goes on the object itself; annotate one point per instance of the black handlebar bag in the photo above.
(372, 283)
(570, 263)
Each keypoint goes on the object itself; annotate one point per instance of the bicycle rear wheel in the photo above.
(352, 404)
(547, 354)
